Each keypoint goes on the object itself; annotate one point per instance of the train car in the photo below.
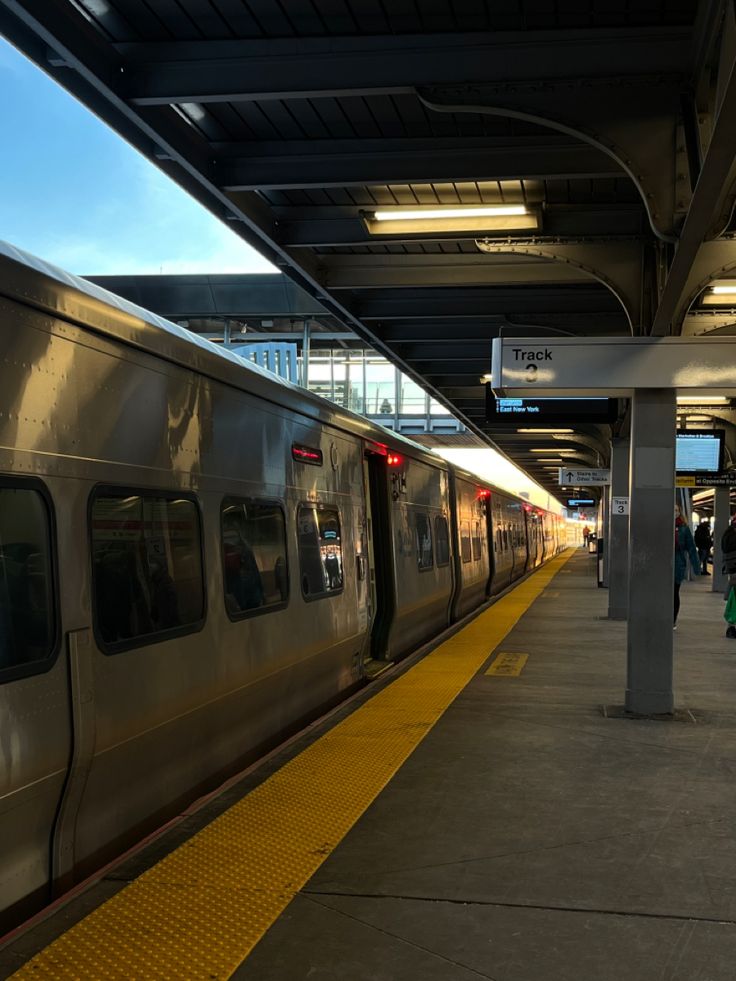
(196, 558)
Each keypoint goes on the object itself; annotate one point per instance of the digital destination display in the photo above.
(699, 452)
(562, 411)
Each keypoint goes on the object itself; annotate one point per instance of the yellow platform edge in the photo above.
(199, 912)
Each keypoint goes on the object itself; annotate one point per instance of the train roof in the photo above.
(27, 279)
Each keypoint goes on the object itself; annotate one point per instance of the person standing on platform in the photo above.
(586, 535)
(684, 547)
(703, 543)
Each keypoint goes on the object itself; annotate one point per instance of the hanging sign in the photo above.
(532, 367)
(583, 478)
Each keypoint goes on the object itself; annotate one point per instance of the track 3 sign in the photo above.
(529, 367)
(583, 478)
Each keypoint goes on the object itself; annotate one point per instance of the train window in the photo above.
(465, 541)
(147, 568)
(476, 541)
(27, 610)
(253, 556)
(505, 538)
(423, 531)
(442, 540)
(320, 550)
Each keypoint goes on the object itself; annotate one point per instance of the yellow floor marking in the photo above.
(509, 665)
(202, 909)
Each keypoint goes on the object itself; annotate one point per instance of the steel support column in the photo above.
(651, 553)
(722, 511)
(305, 354)
(606, 531)
(618, 551)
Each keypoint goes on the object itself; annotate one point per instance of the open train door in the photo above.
(379, 534)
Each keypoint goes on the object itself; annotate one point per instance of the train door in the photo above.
(380, 576)
(544, 525)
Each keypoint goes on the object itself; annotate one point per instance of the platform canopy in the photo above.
(605, 132)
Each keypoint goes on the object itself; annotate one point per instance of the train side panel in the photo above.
(423, 574)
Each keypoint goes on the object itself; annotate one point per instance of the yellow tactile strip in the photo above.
(202, 909)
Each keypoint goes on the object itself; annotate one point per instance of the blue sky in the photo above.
(75, 194)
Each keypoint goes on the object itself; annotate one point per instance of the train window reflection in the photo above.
(442, 540)
(253, 556)
(476, 541)
(27, 627)
(465, 541)
(147, 564)
(423, 531)
(320, 550)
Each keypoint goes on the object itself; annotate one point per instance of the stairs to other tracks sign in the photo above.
(583, 478)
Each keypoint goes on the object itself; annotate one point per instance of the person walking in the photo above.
(703, 543)
(684, 547)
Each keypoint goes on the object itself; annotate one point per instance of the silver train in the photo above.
(196, 558)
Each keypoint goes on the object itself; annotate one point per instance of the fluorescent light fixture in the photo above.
(699, 418)
(552, 449)
(702, 400)
(549, 459)
(541, 431)
(724, 294)
(484, 379)
(451, 218)
(419, 214)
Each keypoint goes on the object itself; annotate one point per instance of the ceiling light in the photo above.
(699, 418)
(553, 449)
(701, 400)
(722, 295)
(474, 218)
(541, 431)
(548, 459)
(418, 214)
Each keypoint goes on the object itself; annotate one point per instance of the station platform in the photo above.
(484, 812)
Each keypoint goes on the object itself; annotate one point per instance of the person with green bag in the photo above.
(729, 614)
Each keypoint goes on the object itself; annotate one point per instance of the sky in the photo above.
(74, 193)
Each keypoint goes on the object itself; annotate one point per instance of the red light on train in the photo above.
(393, 459)
(306, 454)
(483, 494)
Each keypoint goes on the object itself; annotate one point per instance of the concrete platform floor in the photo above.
(529, 838)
